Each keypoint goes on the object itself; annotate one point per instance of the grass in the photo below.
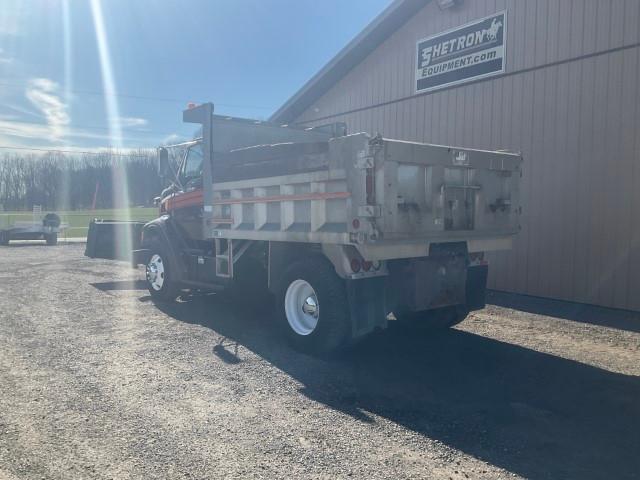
(78, 220)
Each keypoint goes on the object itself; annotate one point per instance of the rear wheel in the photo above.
(51, 238)
(158, 276)
(314, 309)
(4, 238)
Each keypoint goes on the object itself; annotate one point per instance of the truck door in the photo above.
(186, 206)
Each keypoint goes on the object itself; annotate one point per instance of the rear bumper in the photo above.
(433, 283)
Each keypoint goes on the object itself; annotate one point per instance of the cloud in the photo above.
(173, 138)
(23, 111)
(13, 15)
(8, 28)
(41, 131)
(19, 149)
(128, 122)
(43, 95)
(5, 59)
(52, 125)
(23, 130)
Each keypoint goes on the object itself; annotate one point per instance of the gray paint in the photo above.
(568, 100)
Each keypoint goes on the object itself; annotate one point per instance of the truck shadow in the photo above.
(531, 413)
(120, 285)
(577, 312)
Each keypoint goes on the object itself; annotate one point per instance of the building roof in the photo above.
(392, 18)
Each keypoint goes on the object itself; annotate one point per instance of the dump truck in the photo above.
(340, 232)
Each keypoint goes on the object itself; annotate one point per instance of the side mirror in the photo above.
(163, 163)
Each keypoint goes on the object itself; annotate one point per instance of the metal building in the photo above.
(558, 80)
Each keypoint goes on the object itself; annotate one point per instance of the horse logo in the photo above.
(492, 31)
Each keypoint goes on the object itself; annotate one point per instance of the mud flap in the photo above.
(476, 289)
(367, 305)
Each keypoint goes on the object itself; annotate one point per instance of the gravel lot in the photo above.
(98, 382)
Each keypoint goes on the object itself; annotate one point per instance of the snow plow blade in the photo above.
(113, 239)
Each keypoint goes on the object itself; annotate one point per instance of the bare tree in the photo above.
(59, 181)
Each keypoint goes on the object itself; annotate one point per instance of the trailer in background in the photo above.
(39, 227)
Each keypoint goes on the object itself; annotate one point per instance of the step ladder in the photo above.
(226, 257)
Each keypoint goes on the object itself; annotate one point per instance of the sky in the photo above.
(91, 74)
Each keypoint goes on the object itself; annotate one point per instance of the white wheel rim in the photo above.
(301, 307)
(155, 272)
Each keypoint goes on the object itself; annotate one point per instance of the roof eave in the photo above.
(392, 18)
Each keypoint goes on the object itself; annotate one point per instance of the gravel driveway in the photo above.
(98, 382)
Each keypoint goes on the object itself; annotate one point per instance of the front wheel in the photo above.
(4, 238)
(158, 276)
(314, 309)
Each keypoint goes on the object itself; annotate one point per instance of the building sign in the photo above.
(463, 54)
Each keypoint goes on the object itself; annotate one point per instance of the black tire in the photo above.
(434, 320)
(51, 220)
(333, 329)
(51, 239)
(4, 238)
(168, 291)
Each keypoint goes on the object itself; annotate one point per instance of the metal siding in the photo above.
(576, 28)
(517, 259)
(541, 33)
(573, 161)
(589, 29)
(631, 22)
(634, 256)
(567, 157)
(576, 121)
(585, 179)
(598, 265)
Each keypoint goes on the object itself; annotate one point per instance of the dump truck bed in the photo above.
(390, 198)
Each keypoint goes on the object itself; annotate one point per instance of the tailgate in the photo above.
(427, 190)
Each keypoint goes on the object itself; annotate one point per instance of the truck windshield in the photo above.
(192, 168)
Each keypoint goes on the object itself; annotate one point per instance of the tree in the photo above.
(60, 181)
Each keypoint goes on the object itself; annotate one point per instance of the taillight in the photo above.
(477, 259)
(355, 265)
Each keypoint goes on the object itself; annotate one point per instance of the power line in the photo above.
(89, 127)
(53, 150)
(143, 97)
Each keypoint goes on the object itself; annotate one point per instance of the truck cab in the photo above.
(184, 198)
